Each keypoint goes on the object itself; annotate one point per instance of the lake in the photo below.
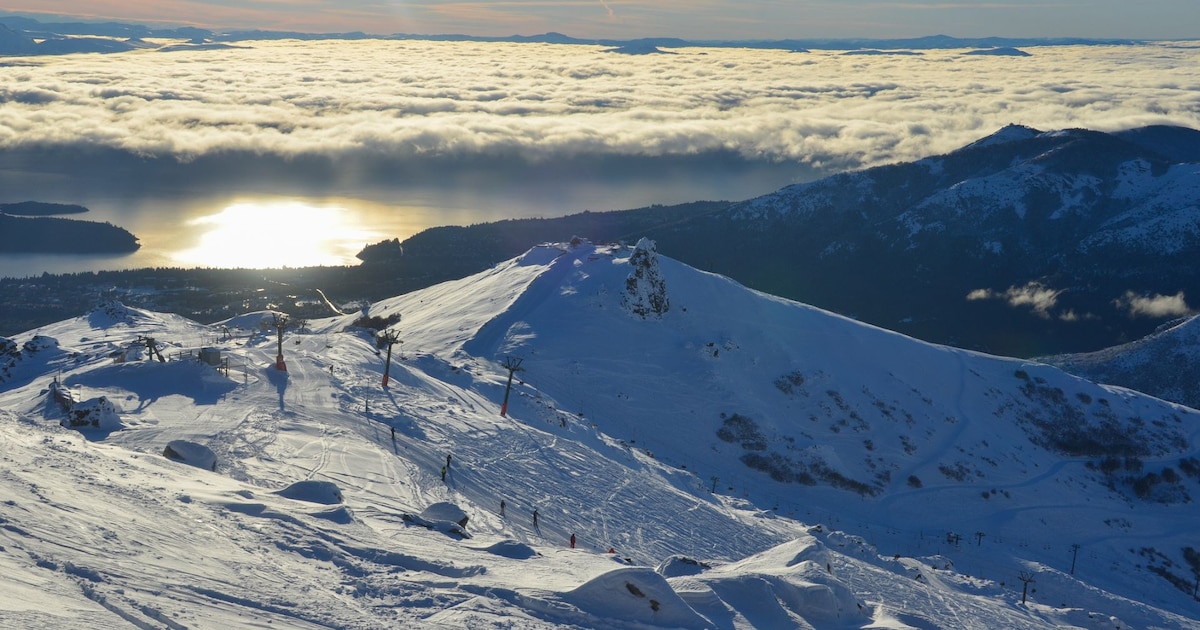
(253, 229)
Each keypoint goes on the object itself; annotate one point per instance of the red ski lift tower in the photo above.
(512, 364)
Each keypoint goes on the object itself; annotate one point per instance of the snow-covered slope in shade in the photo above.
(1164, 217)
(781, 466)
(1165, 364)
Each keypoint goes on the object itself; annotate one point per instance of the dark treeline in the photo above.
(455, 251)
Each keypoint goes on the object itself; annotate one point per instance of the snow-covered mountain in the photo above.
(1022, 243)
(749, 461)
(1164, 364)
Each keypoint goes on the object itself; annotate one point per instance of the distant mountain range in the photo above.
(40, 42)
(1022, 243)
(26, 36)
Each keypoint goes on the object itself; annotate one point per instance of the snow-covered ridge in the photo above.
(709, 442)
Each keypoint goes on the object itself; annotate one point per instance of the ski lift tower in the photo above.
(513, 365)
(279, 321)
(151, 347)
(391, 338)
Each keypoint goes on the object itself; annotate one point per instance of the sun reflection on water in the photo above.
(279, 233)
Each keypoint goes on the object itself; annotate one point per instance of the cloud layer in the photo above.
(540, 103)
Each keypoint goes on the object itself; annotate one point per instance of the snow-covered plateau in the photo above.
(697, 455)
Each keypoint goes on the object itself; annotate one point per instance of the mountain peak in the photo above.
(1011, 132)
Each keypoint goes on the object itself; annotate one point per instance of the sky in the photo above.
(692, 19)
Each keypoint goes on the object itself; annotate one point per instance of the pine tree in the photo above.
(645, 290)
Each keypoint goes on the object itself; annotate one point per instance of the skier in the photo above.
(572, 541)
(447, 461)
(393, 434)
(502, 508)
(535, 517)
(443, 473)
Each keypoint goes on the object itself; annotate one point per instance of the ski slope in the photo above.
(613, 434)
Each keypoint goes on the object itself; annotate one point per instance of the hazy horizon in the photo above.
(709, 20)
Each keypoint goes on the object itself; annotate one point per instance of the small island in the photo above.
(874, 51)
(53, 235)
(639, 48)
(1002, 51)
(40, 208)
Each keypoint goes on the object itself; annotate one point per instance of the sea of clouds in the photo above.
(542, 101)
(425, 133)
(383, 108)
